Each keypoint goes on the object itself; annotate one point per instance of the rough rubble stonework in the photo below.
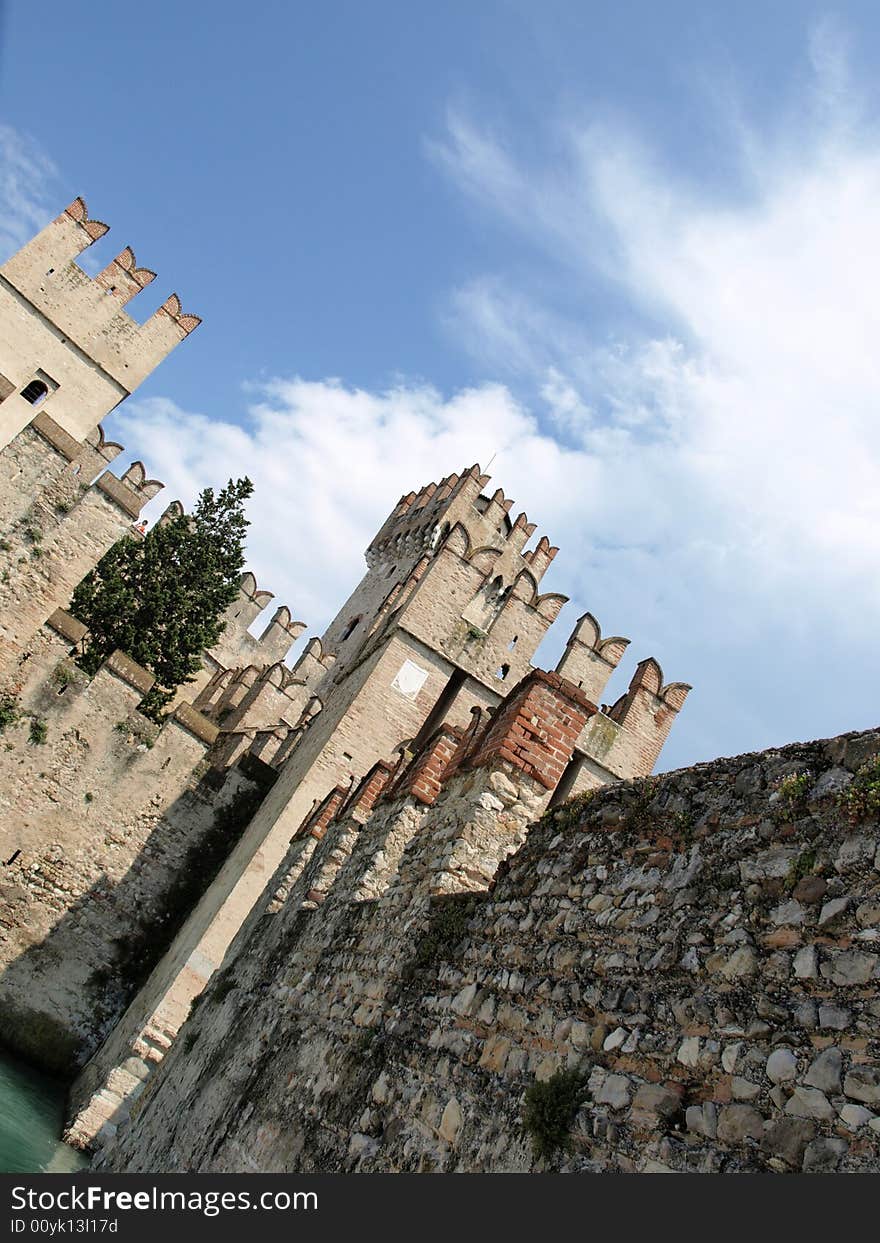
(703, 947)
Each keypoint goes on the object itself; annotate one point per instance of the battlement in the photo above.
(49, 302)
(588, 659)
(422, 521)
(56, 523)
(237, 647)
(627, 738)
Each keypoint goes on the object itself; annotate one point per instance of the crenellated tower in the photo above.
(69, 347)
(444, 623)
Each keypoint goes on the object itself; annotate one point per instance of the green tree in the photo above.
(161, 598)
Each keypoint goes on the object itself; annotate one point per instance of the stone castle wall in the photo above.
(101, 814)
(110, 921)
(702, 949)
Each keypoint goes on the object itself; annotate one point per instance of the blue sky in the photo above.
(629, 248)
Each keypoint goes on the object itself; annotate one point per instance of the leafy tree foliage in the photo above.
(160, 598)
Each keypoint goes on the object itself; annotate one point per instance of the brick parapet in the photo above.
(315, 823)
(423, 777)
(366, 794)
(536, 728)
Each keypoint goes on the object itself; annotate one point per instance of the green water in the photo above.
(31, 1106)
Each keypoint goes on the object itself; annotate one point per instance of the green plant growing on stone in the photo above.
(682, 821)
(447, 927)
(800, 867)
(9, 710)
(793, 791)
(639, 817)
(161, 599)
(568, 814)
(33, 534)
(861, 798)
(132, 729)
(38, 730)
(63, 676)
(550, 1109)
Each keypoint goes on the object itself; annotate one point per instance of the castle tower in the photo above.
(67, 345)
(448, 570)
(431, 651)
(444, 623)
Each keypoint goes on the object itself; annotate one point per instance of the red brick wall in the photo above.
(424, 776)
(537, 727)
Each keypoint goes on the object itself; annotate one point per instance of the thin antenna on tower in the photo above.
(492, 459)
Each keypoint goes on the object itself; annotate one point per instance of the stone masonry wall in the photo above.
(103, 822)
(48, 548)
(700, 950)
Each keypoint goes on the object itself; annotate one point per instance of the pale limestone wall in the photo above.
(309, 774)
(397, 558)
(627, 738)
(702, 950)
(589, 659)
(62, 326)
(116, 1073)
(43, 473)
(96, 820)
(338, 969)
(437, 616)
(28, 469)
(32, 344)
(365, 602)
(352, 715)
(56, 542)
(237, 649)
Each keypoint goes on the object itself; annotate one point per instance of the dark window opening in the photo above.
(502, 672)
(350, 629)
(566, 781)
(512, 644)
(437, 715)
(35, 392)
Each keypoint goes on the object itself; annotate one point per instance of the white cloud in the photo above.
(753, 420)
(328, 462)
(713, 485)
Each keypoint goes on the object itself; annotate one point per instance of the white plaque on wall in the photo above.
(410, 679)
